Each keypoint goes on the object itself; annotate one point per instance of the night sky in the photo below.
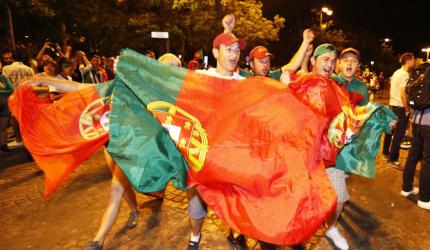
(407, 23)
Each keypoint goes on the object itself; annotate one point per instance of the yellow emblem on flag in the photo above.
(185, 130)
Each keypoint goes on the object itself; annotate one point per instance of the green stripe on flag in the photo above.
(163, 82)
(358, 157)
(138, 143)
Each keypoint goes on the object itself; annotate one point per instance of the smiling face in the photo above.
(227, 57)
(324, 64)
(49, 68)
(349, 64)
(261, 66)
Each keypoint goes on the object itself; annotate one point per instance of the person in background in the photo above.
(6, 90)
(400, 107)
(17, 72)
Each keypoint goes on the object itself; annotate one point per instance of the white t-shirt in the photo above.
(212, 72)
(398, 81)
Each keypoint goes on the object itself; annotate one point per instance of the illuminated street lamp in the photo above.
(426, 50)
(387, 40)
(328, 12)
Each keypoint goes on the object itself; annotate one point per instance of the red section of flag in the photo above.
(325, 97)
(56, 134)
(263, 174)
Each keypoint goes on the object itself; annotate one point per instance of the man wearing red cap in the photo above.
(260, 59)
(226, 50)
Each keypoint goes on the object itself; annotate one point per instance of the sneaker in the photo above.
(93, 245)
(192, 245)
(406, 142)
(394, 164)
(132, 220)
(238, 242)
(5, 149)
(15, 144)
(424, 204)
(386, 157)
(405, 145)
(334, 235)
(414, 190)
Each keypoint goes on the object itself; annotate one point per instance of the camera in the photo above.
(53, 45)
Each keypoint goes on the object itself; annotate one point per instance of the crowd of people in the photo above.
(341, 69)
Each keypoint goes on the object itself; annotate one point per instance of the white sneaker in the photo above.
(415, 190)
(15, 144)
(424, 204)
(334, 235)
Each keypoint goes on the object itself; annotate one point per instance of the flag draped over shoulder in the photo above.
(63, 134)
(358, 156)
(326, 97)
(252, 146)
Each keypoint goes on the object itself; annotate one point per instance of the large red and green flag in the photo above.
(359, 147)
(324, 96)
(61, 135)
(251, 145)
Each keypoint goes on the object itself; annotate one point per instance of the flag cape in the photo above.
(324, 96)
(63, 134)
(252, 146)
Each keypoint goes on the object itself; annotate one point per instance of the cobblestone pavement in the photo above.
(375, 218)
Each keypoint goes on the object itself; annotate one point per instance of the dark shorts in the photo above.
(4, 111)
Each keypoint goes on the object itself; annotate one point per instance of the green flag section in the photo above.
(358, 156)
(141, 146)
(61, 135)
(251, 145)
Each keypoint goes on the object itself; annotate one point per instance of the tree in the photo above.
(202, 21)
(112, 25)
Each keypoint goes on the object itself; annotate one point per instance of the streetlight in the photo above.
(387, 40)
(426, 50)
(328, 12)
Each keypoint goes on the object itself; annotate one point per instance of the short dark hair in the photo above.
(5, 51)
(149, 53)
(62, 63)
(405, 57)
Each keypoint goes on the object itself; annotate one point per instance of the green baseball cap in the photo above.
(324, 48)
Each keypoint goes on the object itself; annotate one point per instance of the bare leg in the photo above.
(332, 219)
(109, 216)
(333, 233)
(120, 187)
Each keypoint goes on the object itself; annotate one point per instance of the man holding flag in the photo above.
(226, 50)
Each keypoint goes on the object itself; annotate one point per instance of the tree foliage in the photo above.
(110, 25)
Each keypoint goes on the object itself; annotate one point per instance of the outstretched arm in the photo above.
(296, 61)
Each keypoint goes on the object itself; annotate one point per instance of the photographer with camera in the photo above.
(50, 51)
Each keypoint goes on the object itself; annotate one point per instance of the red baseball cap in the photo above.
(260, 52)
(227, 39)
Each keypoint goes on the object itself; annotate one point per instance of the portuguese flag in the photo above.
(358, 155)
(61, 135)
(251, 145)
